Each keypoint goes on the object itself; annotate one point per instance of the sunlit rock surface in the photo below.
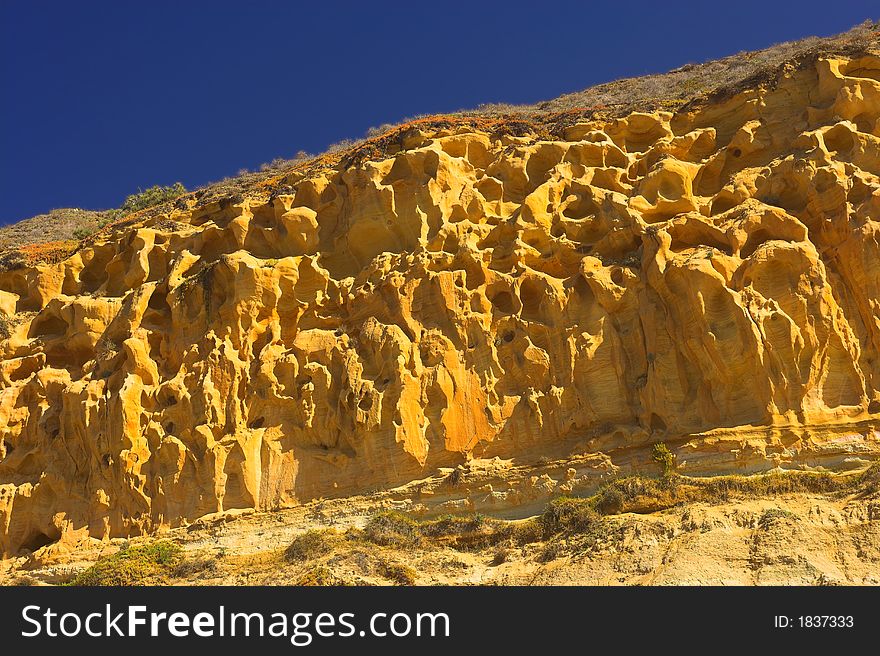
(709, 279)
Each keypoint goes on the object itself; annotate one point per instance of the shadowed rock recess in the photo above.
(709, 279)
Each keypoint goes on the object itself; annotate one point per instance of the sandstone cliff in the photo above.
(709, 279)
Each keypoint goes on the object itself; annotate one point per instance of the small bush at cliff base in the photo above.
(448, 525)
(773, 515)
(870, 479)
(192, 567)
(665, 458)
(310, 545)
(132, 565)
(392, 529)
(501, 556)
(319, 576)
(463, 532)
(638, 494)
(397, 572)
(568, 515)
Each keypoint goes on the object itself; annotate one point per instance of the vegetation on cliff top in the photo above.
(678, 89)
(54, 236)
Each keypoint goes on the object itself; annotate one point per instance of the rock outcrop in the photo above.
(710, 279)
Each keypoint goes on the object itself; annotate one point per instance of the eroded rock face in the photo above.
(710, 279)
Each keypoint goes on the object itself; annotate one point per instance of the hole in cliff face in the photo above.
(25, 369)
(236, 493)
(859, 192)
(722, 203)
(531, 296)
(366, 403)
(48, 326)
(581, 207)
(157, 264)
(583, 291)
(159, 302)
(617, 277)
(61, 356)
(450, 244)
(863, 67)
(474, 277)
(503, 302)
(38, 540)
(94, 273)
(51, 423)
(865, 122)
(839, 139)
(157, 317)
(657, 423)
(508, 336)
(696, 235)
(169, 428)
(264, 215)
(874, 407)
(755, 239)
(736, 152)
(259, 422)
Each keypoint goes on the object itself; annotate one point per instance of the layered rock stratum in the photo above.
(479, 293)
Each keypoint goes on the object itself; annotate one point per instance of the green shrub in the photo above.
(397, 572)
(665, 458)
(463, 532)
(190, 567)
(501, 555)
(155, 195)
(772, 484)
(310, 545)
(132, 565)
(22, 582)
(319, 576)
(773, 515)
(551, 551)
(870, 479)
(637, 494)
(609, 500)
(521, 533)
(449, 525)
(568, 515)
(392, 529)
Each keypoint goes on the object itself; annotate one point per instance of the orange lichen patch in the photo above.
(51, 252)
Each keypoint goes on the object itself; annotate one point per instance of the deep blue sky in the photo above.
(100, 98)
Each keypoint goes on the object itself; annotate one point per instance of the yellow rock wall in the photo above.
(710, 279)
